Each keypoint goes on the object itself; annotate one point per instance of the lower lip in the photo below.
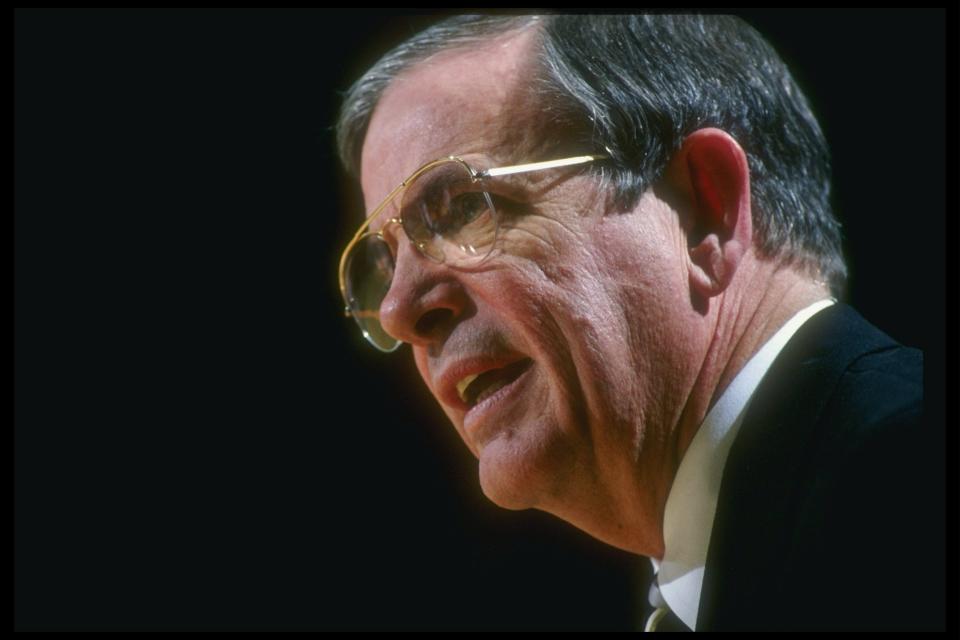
(480, 413)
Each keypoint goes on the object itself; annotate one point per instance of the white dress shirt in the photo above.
(692, 502)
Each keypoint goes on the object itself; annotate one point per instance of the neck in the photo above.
(747, 316)
(740, 321)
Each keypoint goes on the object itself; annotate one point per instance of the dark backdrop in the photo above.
(203, 441)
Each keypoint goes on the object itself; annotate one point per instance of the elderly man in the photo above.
(609, 242)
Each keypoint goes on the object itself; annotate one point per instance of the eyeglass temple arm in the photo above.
(538, 166)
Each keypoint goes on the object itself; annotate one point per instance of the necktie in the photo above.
(662, 618)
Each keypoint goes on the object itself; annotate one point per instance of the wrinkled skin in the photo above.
(624, 362)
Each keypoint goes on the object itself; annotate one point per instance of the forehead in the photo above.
(457, 102)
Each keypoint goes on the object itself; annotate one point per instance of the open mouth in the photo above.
(477, 388)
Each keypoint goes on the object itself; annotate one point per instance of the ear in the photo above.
(713, 177)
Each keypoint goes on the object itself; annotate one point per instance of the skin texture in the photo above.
(635, 321)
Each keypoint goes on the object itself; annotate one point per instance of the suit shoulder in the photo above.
(879, 387)
(879, 479)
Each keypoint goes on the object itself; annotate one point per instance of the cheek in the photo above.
(562, 316)
(644, 265)
(526, 300)
(595, 311)
(541, 234)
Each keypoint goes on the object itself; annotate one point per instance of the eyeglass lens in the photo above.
(447, 215)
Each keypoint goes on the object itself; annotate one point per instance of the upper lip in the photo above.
(446, 382)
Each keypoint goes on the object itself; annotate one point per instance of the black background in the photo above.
(204, 442)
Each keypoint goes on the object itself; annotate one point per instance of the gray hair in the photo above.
(637, 86)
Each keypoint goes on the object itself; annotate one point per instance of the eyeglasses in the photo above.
(447, 213)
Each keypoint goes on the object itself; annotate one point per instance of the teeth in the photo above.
(463, 384)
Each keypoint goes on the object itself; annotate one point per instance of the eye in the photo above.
(465, 207)
(444, 212)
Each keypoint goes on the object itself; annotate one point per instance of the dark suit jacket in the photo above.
(831, 507)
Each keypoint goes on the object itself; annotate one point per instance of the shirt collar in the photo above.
(692, 502)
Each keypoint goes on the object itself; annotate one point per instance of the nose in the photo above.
(425, 299)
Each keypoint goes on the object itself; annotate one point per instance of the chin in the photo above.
(518, 475)
(503, 491)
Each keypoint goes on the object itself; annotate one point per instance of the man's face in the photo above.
(581, 315)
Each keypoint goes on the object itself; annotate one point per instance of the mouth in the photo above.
(474, 389)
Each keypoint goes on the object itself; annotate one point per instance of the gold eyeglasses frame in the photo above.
(475, 175)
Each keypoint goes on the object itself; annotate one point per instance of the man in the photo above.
(612, 252)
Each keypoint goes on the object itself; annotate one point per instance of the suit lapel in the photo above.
(758, 491)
